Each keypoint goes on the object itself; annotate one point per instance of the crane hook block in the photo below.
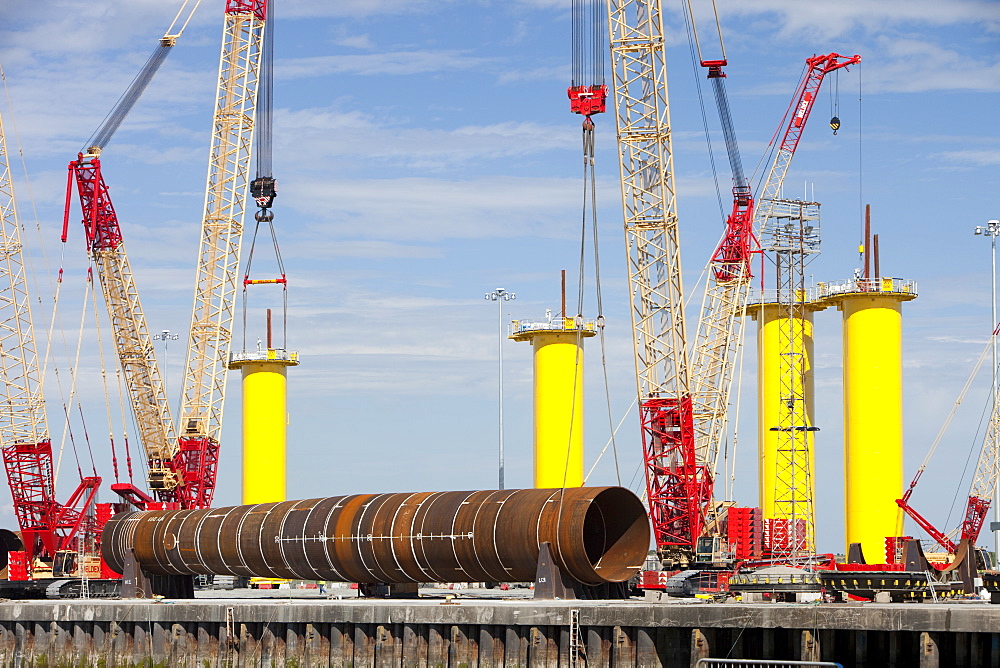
(834, 124)
(588, 100)
(264, 189)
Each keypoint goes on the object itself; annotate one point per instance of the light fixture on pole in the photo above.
(500, 296)
(991, 230)
(165, 335)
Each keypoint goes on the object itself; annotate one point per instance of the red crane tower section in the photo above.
(47, 526)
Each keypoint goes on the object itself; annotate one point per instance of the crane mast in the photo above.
(106, 249)
(219, 255)
(678, 484)
(817, 68)
(133, 343)
(46, 525)
(793, 231)
(720, 327)
(984, 480)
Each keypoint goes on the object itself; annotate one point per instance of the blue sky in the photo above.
(426, 154)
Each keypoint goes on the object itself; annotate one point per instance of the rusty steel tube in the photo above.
(596, 535)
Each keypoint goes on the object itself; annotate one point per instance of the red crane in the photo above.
(182, 468)
(133, 343)
(984, 481)
(47, 526)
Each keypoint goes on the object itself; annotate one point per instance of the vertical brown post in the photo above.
(564, 293)
(878, 272)
(269, 329)
(868, 238)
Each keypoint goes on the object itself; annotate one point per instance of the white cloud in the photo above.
(814, 19)
(981, 158)
(357, 8)
(394, 62)
(356, 41)
(427, 209)
(360, 249)
(559, 73)
(313, 136)
(907, 65)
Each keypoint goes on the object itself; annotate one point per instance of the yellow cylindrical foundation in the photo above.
(265, 420)
(558, 366)
(873, 420)
(773, 330)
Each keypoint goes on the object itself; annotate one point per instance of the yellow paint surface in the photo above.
(558, 409)
(873, 421)
(265, 419)
(772, 337)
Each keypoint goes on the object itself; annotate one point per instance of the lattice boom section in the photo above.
(678, 488)
(22, 414)
(648, 198)
(222, 225)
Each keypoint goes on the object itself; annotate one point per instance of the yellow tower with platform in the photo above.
(790, 237)
(873, 406)
(265, 420)
(558, 365)
(774, 330)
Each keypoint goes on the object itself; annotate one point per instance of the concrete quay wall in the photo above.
(471, 633)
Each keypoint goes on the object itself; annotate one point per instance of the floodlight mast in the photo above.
(500, 296)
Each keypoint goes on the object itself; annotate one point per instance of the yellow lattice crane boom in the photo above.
(106, 249)
(133, 343)
(219, 255)
(678, 485)
(22, 413)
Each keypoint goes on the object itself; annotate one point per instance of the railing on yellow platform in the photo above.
(557, 324)
(858, 285)
(271, 354)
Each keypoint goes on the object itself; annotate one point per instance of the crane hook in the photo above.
(835, 124)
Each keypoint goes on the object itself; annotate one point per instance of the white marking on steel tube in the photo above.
(305, 523)
(423, 564)
(239, 537)
(475, 549)
(260, 544)
(361, 517)
(281, 531)
(370, 538)
(167, 532)
(418, 537)
(496, 523)
(197, 542)
(553, 547)
(453, 521)
(326, 526)
(392, 546)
